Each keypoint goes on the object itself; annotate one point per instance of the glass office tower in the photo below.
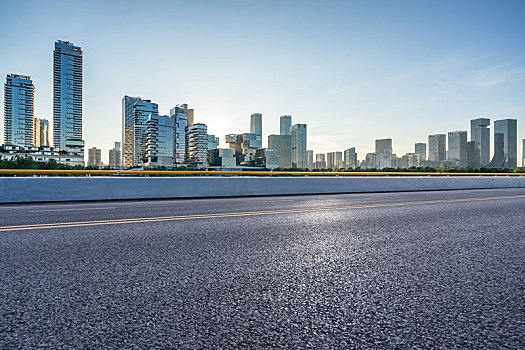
(135, 113)
(67, 95)
(285, 125)
(299, 158)
(509, 129)
(19, 101)
(480, 134)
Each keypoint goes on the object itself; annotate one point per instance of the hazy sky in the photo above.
(353, 71)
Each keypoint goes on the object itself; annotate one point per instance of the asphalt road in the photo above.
(388, 270)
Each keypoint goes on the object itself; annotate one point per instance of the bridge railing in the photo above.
(28, 172)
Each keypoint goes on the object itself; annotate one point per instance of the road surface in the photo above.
(386, 270)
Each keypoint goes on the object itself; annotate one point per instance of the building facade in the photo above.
(115, 156)
(383, 147)
(256, 124)
(421, 149)
(285, 125)
(135, 113)
(179, 113)
(334, 160)
(19, 101)
(320, 161)
(437, 148)
(282, 145)
(299, 157)
(509, 129)
(159, 141)
(67, 96)
(94, 157)
(350, 158)
(480, 134)
(457, 147)
(197, 146)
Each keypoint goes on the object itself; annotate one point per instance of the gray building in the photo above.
(19, 101)
(41, 133)
(285, 125)
(221, 157)
(213, 142)
(310, 159)
(135, 113)
(282, 144)
(473, 157)
(197, 146)
(94, 157)
(334, 160)
(159, 141)
(181, 129)
(67, 97)
(299, 157)
(437, 147)
(509, 129)
(266, 158)
(350, 158)
(256, 124)
(457, 147)
(523, 154)
(480, 134)
(383, 147)
(421, 149)
(370, 160)
(115, 156)
(320, 161)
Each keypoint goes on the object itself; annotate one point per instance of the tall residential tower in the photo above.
(67, 96)
(19, 101)
(480, 134)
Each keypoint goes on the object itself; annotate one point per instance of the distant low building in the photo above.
(41, 154)
(94, 157)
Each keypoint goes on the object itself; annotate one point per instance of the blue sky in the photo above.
(353, 71)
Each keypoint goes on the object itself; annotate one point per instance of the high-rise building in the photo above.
(383, 147)
(36, 132)
(94, 157)
(181, 130)
(299, 158)
(473, 158)
(480, 134)
(190, 113)
(135, 113)
(310, 159)
(509, 129)
(213, 142)
(67, 97)
(286, 125)
(334, 160)
(437, 147)
(282, 144)
(19, 101)
(370, 160)
(320, 161)
(457, 147)
(159, 141)
(256, 124)
(43, 132)
(350, 158)
(197, 145)
(421, 149)
(115, 156)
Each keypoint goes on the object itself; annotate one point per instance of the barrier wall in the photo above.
(45, 189)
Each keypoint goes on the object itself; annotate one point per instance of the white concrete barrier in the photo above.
(46, 189)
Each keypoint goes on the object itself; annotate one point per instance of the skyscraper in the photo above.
(282, 144)
(115, 156)
(310, 159)
(383, 147)
(285, 124)
(473, 158)
(181, 132)
(509, 129)
(43, 132)
(421, 149)
(94, 157)
(437, 147)
(457, 147)
(480, 134)
(350, 158)
(135, 113)
(19, 101)
(334, 160)
(197, 145)
(299, 159)
(320, 161)
(159, 148)
(67, 96)
(256, 124)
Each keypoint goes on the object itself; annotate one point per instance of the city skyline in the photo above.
(338, 115)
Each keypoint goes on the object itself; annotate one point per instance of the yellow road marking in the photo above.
(237, 214)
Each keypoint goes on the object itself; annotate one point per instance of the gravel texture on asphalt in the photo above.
(448, 276)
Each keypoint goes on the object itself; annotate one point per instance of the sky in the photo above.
(353, 71)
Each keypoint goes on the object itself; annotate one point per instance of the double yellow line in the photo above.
(238, 214)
